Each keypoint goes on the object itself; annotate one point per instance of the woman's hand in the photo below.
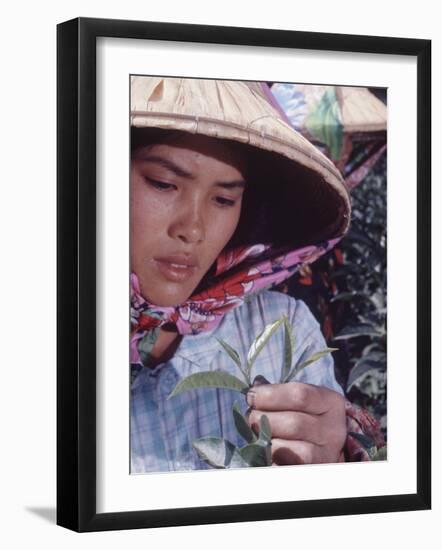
(308, 422)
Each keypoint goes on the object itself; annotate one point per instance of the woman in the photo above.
(226, 201)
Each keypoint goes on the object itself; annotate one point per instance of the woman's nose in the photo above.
(188, 226)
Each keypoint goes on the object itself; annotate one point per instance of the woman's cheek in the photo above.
(149, 217)
(156, 205)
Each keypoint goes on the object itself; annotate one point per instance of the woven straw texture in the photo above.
(238, 111)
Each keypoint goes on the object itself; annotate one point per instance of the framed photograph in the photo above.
(240, 212)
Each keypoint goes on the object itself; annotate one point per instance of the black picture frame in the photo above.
(76, 273)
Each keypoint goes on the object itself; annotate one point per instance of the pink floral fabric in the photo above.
(360, 421)
(239, 273)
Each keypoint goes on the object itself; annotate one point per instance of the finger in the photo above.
(303, 452)
(294, 452)
(292, 396)
(290, 425)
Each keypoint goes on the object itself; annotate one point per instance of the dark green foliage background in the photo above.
(360, 307)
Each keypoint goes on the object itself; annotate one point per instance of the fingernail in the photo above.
(250, 398)
(260, 380)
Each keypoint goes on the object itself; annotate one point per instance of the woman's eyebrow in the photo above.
(232, 184)
(165, 163)
(169, 165)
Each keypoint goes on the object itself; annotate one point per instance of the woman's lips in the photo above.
(176, 269)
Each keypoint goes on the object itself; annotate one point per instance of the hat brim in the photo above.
(236, 111)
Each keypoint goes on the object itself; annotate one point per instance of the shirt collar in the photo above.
(204, 343)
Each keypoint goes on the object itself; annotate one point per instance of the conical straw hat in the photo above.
(242, 112)
(361, 111)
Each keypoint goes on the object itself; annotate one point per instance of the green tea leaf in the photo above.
(372, 352)
(242, 425)
(215, 451)
(260, 341)
(255, 455)
(289, 345)
(259, 453)
(265, 432)
(372, 347)
(356, 331)
(315, 357)
(237, 460)
(349, 296)
(362, 369)
(210, 379)
(268, 451)
(233, 354)
(381, 454)
(309, 361)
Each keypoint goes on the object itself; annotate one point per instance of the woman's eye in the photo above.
(161, 185)
(223, 201)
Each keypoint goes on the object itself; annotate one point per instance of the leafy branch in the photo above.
(219, 452)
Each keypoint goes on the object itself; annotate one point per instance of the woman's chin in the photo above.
(167, 299)
(159, 291)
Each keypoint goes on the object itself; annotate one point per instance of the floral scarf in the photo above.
(240, 273)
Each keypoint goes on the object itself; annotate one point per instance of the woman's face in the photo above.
(186, 199)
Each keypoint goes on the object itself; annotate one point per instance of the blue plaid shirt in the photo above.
(162, 430)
